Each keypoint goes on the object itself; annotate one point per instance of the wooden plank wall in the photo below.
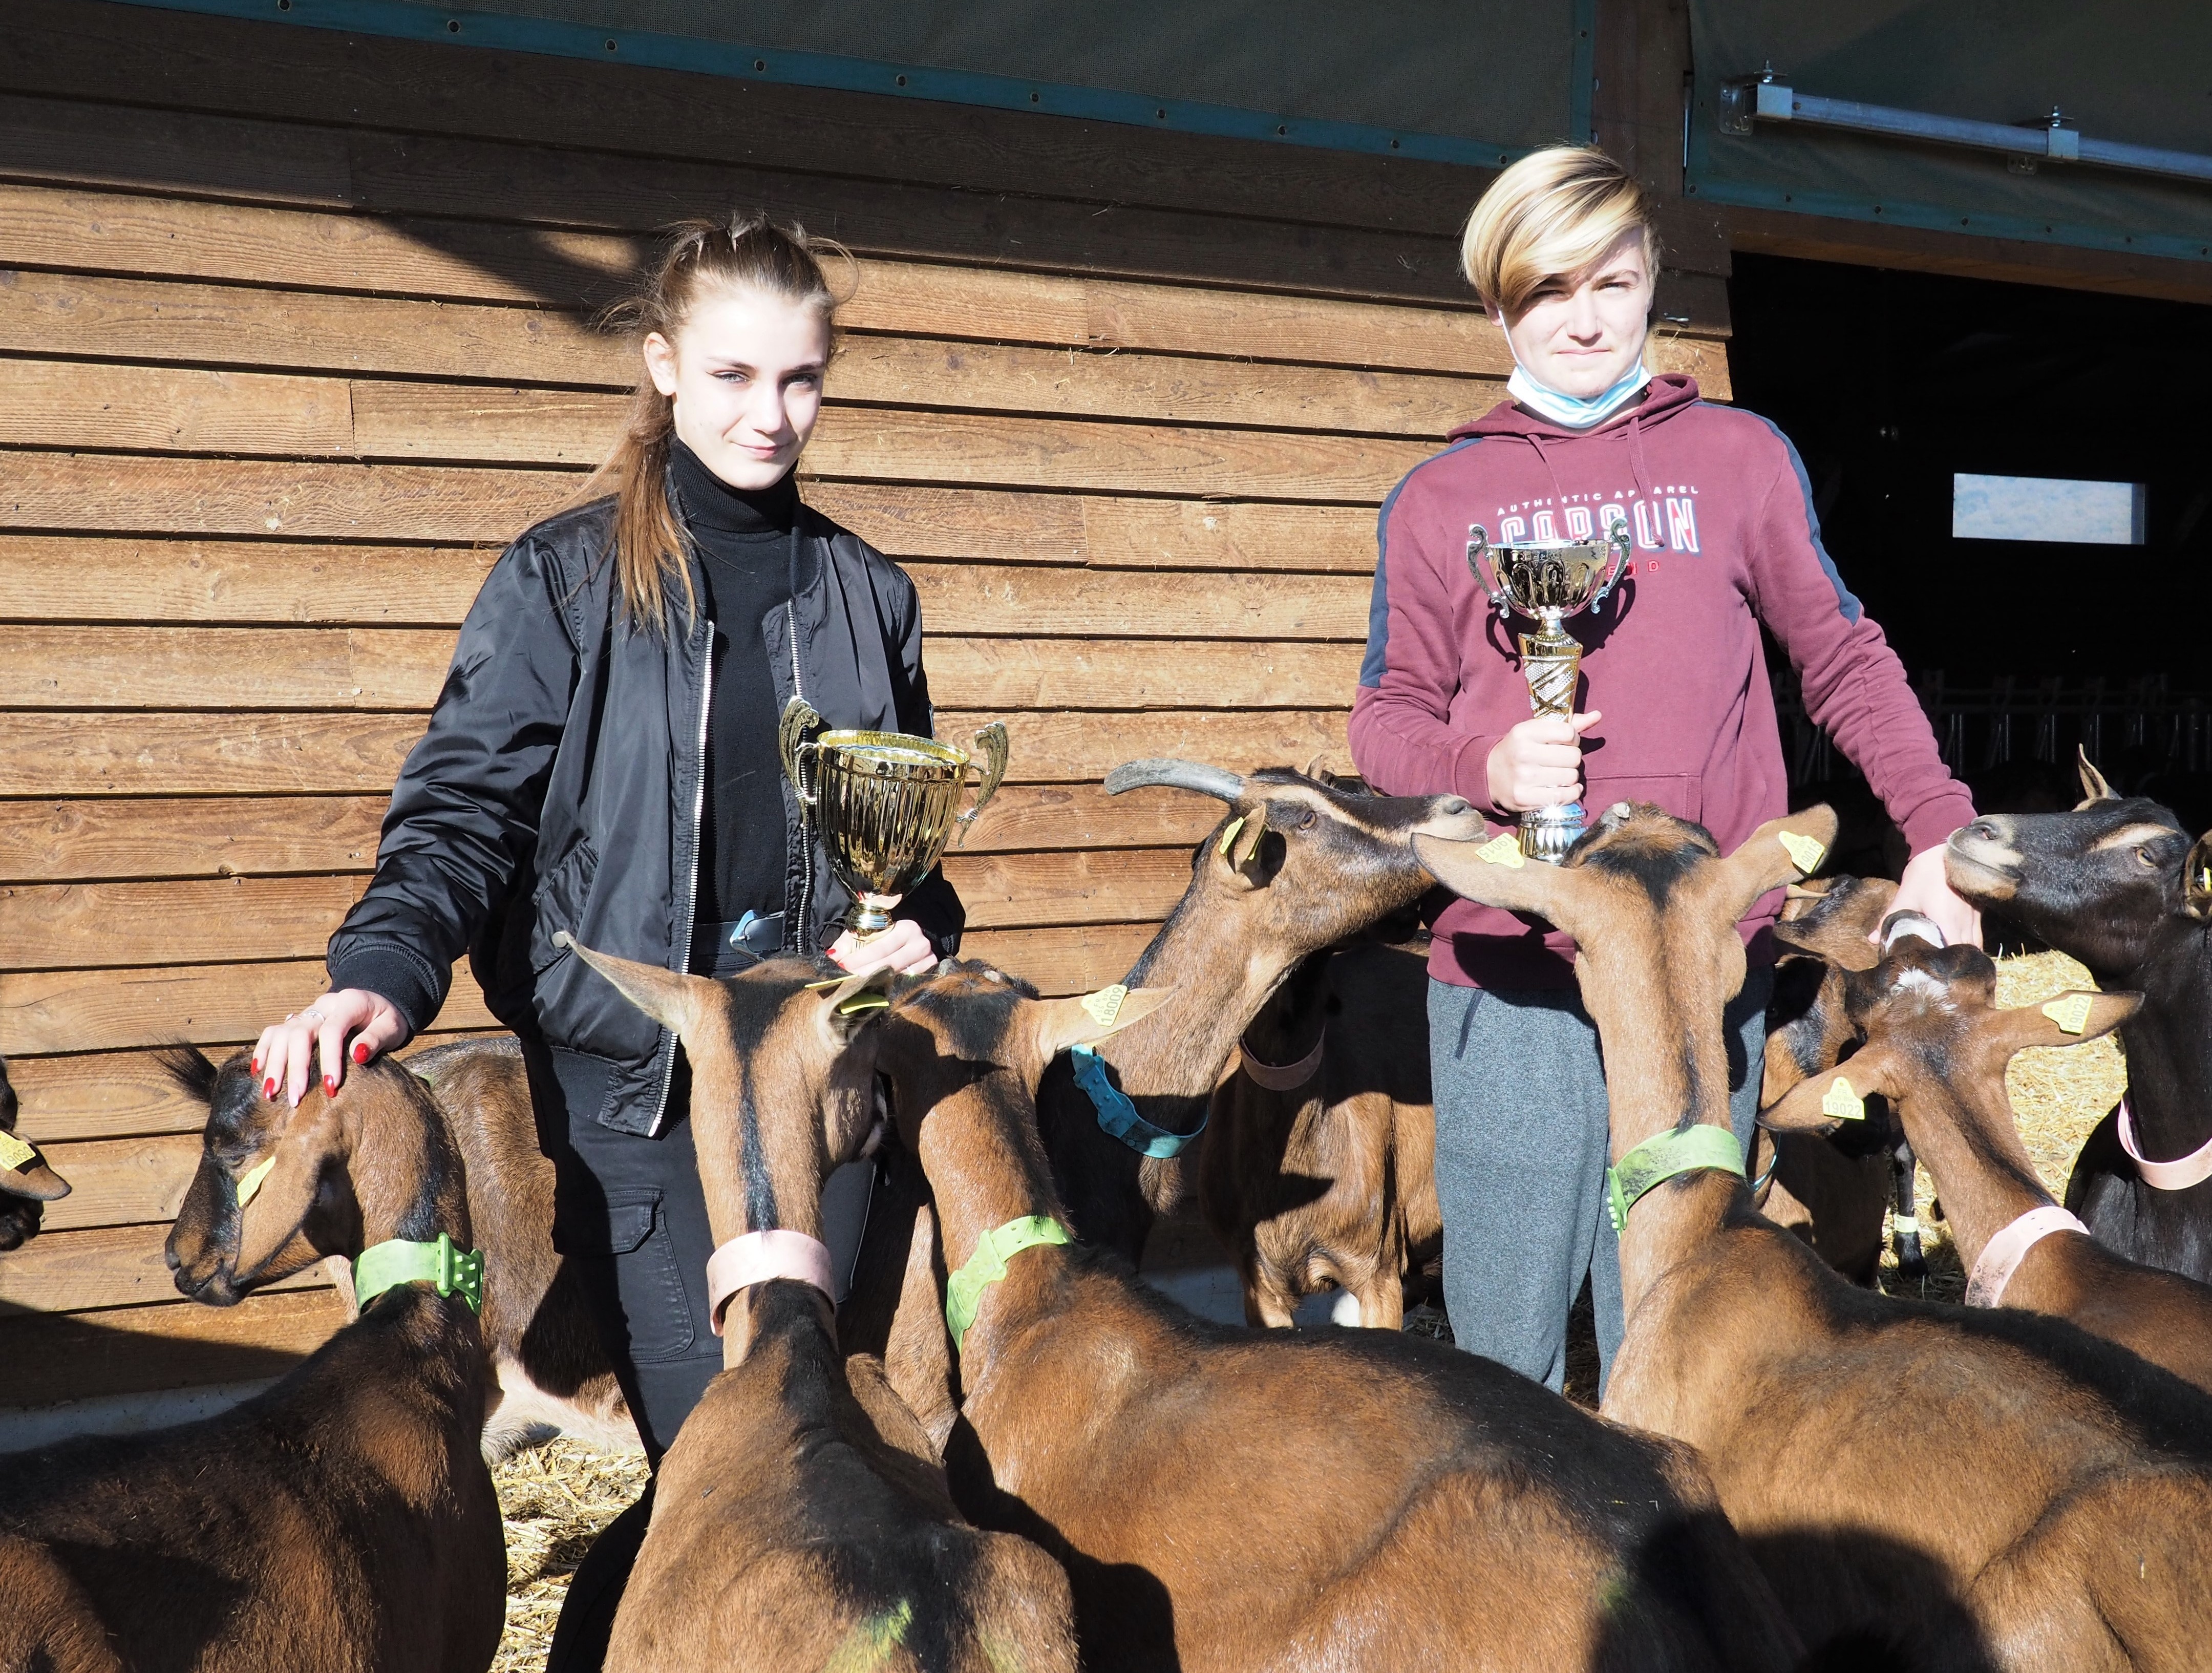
(296, 333)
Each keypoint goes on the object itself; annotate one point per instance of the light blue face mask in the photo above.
(1573, 411)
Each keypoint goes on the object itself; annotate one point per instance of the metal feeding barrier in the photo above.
(2012, 720)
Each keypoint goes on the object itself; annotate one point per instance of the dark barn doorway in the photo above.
(1893, 384)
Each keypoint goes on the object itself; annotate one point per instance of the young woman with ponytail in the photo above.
(602, 760)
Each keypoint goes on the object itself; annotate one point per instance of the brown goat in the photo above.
(341, 1522)
(2067, 1484)
(1936, 1046)
(801, 1519)
(1296, 866)
(1330, 1180)
(27, 1180)
(1832, 1191)
(1224, 1499)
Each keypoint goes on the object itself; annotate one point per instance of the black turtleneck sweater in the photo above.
(743, 542)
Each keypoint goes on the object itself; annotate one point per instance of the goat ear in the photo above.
(1822, 1102)
(670, 999)
(2073, 1017)
(1780, 851)
(1061, 1023)
(1492, 873)
(275, 1196)
(30, 1175)
(2094, 787)
(2197, 880)
(1834, 927)
(1239, 846)
(854, 1003)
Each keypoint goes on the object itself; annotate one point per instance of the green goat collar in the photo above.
(387, 1265)
(963, 1290)
(1682, 1151)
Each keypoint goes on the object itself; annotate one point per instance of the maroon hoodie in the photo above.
(1726, 539)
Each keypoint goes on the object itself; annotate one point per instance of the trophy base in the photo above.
(1547, 833)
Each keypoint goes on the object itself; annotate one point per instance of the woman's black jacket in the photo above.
(559, 786)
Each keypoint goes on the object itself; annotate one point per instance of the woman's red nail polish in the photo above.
(269, 1087)
(330, 1085)
(360, 1052)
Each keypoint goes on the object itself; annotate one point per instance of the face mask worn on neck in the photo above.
(1573, 411)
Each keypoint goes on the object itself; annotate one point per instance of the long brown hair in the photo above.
(700, 258)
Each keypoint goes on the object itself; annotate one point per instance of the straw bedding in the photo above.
(556, 1497)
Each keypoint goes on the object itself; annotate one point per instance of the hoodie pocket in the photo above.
(1682, 794)
(559, 903)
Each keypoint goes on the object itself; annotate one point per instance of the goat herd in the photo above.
(1038, 1462)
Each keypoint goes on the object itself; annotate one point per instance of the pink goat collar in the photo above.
(758, 1256)
(1287, 1077)
(2179, 1175)
(2006, 1250)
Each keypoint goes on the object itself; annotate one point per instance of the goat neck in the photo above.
(1653, 908)
(781, 1094)
(1289, 1025)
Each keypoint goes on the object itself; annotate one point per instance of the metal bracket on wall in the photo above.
(1750, 100)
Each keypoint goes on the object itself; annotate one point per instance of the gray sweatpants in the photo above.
(1522, 1148)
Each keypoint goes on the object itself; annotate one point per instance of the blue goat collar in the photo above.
(1119, 1117)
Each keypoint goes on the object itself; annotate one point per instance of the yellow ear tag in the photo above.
(859, 1002)
(2070, 1013)
(1504, 851)
(1841, 1103)
(1228, 834)
(1808, 852)
(1104, 1005)
(252, 1183)
(14, 1152)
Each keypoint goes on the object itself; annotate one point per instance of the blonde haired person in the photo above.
(1561, 249)
(602, 760)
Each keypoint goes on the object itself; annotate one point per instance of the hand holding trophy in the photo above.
(885, 803)
(1549, 583)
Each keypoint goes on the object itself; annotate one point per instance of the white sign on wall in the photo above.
(2055, 509)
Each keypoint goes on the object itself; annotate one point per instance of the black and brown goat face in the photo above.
(269, 1197)
(28, 1182)
(2098, 882)
(1317, 861)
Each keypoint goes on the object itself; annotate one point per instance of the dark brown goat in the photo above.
(2121, 886)
(801, 1519)
(1329, 1179)
(27, 1180)
(1936, 1046)
(1227, 1499)
(1295, 867)
(2066, 1485)
(1832, 1191)
(341, 1522)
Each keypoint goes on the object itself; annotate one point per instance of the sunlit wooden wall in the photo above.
(297, 331)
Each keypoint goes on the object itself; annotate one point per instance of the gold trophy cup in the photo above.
(1549, 583)
(884, 802)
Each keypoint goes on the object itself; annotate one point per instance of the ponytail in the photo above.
(701, 257)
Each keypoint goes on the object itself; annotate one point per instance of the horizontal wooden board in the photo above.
(222, 667)
(1058, 748)
(979, 598)
(77, 926)
(66, 404)
(49, 1357)
(1062, 961)
(111, 1010)
(45, 577)
(47, 841)
(121, 1182)
(82, 753)
(100, 1095)
(130, 237)
(119, 1266)
(1029, 890)
(126, 494)
(404, 668)
(96, 753)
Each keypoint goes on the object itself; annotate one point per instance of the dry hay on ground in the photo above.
(556, 1497)
(553, 1501)
(2058, 1094)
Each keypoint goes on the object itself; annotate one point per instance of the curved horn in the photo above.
(1216, 782)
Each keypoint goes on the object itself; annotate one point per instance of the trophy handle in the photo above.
(1478, 548)
(800, 718)
(1623, 544)
(991, 745)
